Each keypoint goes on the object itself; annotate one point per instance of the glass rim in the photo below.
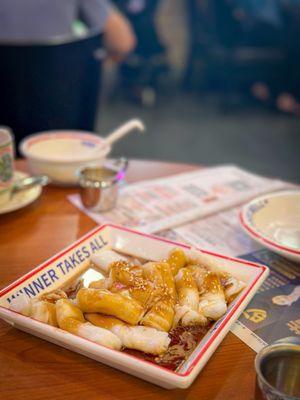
(10, 136)
(263, 354)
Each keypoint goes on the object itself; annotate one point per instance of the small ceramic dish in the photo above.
(273, 220)
(72, 262)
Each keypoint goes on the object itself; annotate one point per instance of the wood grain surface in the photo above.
(31, 368)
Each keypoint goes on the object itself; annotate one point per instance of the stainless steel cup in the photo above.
(99, 185)
(278, 370)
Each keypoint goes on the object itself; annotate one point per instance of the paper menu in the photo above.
(160, 204)
(220, 232)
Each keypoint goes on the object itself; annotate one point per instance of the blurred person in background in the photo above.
(39, 41)
(275, 23)
(38, 20)
(144, 71)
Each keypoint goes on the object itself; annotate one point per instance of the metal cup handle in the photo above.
(120, 164)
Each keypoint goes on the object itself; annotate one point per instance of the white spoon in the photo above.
(124, 130)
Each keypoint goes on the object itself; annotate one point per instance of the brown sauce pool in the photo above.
(184, 340)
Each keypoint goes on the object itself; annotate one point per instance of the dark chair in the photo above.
(51, 85)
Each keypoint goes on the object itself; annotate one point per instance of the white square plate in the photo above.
(72, 261)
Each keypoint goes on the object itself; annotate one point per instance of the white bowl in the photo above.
(273, 221)
(139, 245)
(59, 154)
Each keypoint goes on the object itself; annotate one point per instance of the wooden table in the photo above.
(31, 368)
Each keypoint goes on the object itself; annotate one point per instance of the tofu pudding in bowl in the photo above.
(59, 154)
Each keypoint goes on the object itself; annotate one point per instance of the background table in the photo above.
(31, 368)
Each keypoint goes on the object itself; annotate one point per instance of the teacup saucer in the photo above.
(23, 198)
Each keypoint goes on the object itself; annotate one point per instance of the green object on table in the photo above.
(6, 169)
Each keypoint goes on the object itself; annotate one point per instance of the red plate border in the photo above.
(263, 238)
